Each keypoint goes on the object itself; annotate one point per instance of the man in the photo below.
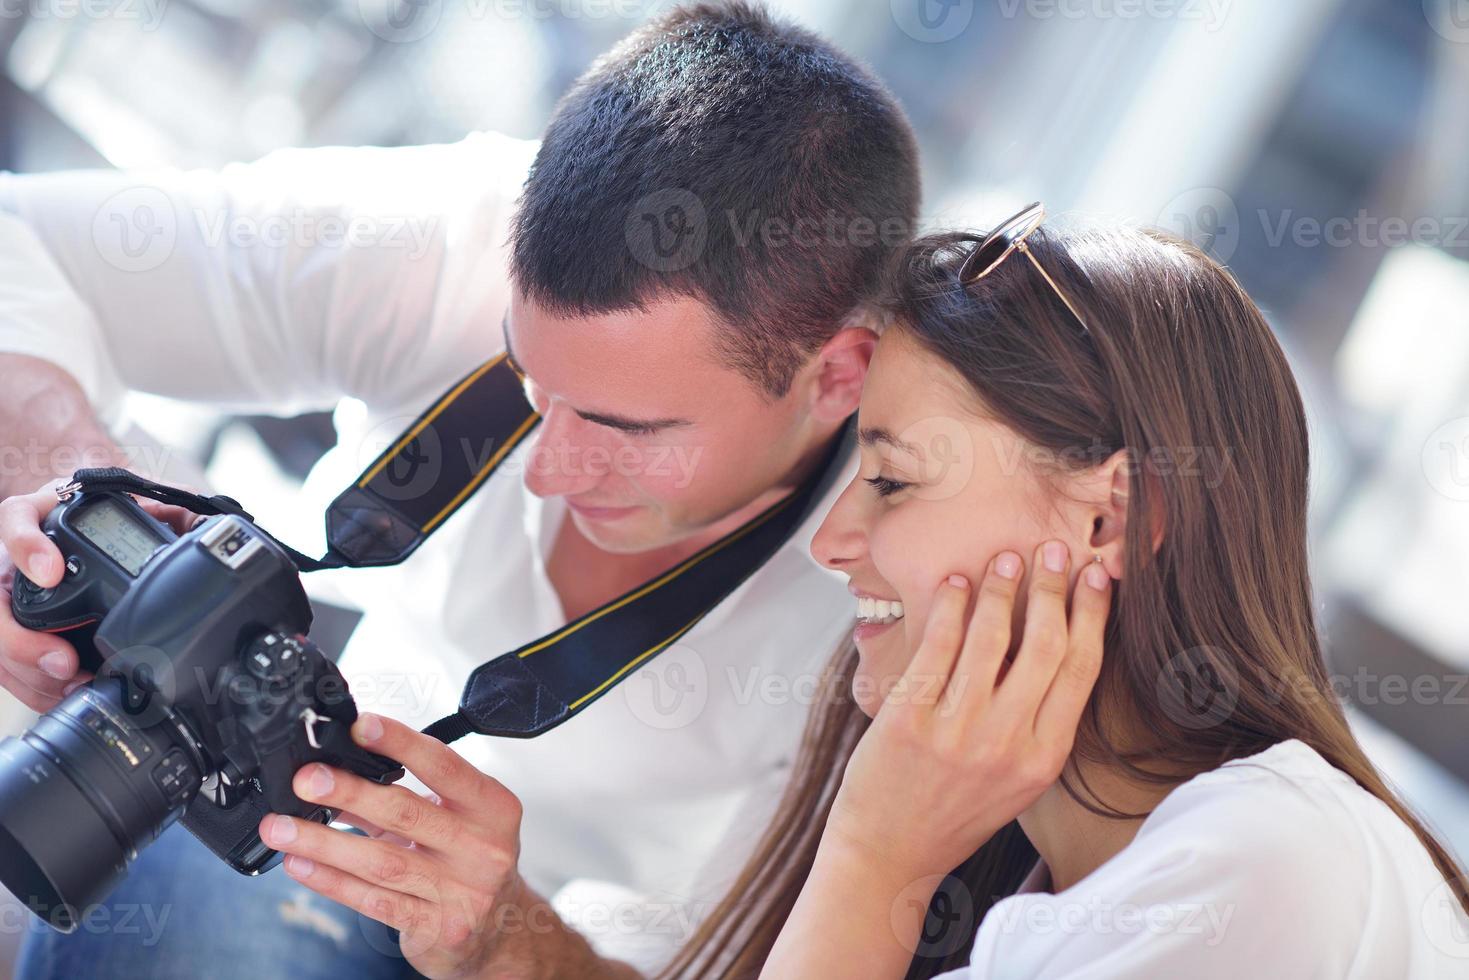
(682, 281)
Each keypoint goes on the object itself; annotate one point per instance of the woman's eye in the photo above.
(884, 486)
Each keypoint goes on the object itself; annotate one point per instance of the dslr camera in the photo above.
(208, 697)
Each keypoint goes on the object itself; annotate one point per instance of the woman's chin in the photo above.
(880, 664)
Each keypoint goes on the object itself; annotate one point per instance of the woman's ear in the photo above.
(1110, 488)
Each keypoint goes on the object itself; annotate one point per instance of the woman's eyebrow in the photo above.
(876, 435)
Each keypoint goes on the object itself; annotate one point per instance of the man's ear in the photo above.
(838, 370)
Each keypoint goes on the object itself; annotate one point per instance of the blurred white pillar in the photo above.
(1208, 100)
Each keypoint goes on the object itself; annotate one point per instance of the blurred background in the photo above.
(1317, 147)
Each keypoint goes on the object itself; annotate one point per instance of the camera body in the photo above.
(208, 697)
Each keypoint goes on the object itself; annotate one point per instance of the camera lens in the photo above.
(82, 792)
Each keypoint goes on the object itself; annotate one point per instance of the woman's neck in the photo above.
(1072, 840)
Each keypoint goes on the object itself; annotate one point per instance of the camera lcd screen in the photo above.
(117, 533)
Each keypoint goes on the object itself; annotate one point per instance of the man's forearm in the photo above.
(47, 426)
(538, 945)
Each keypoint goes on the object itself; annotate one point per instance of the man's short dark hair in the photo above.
(720, 154)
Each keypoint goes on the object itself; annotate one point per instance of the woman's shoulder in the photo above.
(1277, 859)
(1288, 819)
(1286, 798)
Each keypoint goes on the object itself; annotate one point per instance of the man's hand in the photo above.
(442, 869)
(46, 420)
(35, 667)
(39, 668)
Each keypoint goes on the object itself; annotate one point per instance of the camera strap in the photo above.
(428, 472)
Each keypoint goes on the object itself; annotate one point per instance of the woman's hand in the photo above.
(968, 739)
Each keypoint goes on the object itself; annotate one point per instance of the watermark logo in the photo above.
(932, 21)
(412, 471)
(1210, 13)
(135, 230)
(1449, 19)
(401, 21)
(147, 14)
(667, 230)
(671, 690)
(1443, 919)
(1199, 687)
(1206, 216)
(1445, 459)
(943, 451)
(948, 915)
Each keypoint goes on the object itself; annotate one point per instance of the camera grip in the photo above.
(234, 834)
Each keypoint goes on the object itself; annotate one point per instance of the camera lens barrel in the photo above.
(81, 793)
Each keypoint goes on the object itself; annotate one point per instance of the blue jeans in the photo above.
(183, 913)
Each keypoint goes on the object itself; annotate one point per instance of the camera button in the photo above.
(171, 775)
(74, 566)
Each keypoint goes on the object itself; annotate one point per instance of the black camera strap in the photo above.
(427, 474)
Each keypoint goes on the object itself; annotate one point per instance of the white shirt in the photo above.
(1277, 865)
(229, 288)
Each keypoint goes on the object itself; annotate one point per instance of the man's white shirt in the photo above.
(380, 275)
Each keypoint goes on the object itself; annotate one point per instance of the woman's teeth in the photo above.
(870, 610)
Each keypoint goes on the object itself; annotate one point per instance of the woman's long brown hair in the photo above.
(1211, 646)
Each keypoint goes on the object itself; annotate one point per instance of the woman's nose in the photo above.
(842, 537)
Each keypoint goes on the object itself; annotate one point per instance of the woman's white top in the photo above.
(1277, 865)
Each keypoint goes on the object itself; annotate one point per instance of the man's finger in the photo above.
(1061, 709)
(177, 518)
(374, 861)
(436, 765)
(21, 536)
(44, 660)
(25, 694)
(406, 913)
(395, 809)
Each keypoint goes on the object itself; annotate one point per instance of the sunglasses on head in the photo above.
(1007, 237)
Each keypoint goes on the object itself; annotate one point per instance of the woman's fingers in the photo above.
(988, 638)
(1043, 644)
(1060, 710)
(943, 635)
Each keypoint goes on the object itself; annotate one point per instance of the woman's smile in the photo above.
(876, 613)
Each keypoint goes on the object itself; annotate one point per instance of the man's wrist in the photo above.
(536, 944)
(48, 426)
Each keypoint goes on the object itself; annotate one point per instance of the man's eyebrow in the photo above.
(874, 436)
(620, 422)
(625, 424)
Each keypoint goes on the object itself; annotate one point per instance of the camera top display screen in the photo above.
(117, 533)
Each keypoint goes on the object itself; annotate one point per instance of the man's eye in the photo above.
(884, 486)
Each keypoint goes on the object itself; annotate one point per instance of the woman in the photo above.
(1159, 782)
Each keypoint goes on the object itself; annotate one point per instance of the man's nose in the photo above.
(841, 540)
(558, 462)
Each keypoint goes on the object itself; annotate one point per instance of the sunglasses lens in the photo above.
(984, 256)
(998, 243)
